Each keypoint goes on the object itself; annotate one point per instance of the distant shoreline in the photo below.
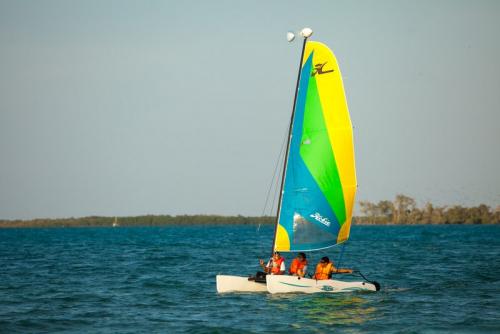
(188, 220)
(403, 210)
(147, 220)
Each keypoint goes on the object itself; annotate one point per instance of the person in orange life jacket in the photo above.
(325, 269)
(299, 265)
(275, 266)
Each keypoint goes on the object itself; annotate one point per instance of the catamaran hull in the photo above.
(227, 283)
(294, 284)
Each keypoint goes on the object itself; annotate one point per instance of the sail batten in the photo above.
(320, 179)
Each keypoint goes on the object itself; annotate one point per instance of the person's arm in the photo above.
(282, 268)
(302, 272)
(264, 267)
(341, 270)
(267, 267)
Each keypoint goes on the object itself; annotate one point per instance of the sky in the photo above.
(180, 107)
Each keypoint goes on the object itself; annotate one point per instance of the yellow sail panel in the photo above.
(282, 243)
(349, 197)
(336, 114)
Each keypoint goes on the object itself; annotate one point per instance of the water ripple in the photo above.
(435, 279)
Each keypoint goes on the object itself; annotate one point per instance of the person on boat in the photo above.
(275, 265)
(325, 269)
(299, 265)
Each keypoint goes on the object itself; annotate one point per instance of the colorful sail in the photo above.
(320, 177)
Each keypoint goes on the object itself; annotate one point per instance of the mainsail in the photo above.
(320, 177)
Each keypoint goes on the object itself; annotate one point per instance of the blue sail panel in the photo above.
(306, 219)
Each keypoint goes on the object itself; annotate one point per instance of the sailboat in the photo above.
(318, 183)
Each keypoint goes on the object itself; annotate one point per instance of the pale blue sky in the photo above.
(159, 107)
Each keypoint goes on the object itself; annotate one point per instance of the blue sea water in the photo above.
(435, 279)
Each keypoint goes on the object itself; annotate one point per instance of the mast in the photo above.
(305, 33)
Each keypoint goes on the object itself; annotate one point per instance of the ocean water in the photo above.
(435, 279)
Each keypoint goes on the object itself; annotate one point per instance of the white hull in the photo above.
(227, 283)
(290, 284)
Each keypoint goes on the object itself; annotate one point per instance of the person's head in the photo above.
(301, 256)
(324, 260)
(276, 255)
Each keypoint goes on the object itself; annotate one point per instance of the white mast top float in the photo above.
(306, 32)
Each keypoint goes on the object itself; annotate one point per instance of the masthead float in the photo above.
(318, 182)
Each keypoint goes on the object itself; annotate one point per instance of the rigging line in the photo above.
(339, 262)
(275, 172)
(273, 178)
(277, 188)
(277, 184)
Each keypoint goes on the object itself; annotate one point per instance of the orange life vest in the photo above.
(296, 265)
(323, 272)
(276, 265)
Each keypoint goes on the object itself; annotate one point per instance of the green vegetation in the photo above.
(402, 211)
(149, 220)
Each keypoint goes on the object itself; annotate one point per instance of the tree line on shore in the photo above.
(148, 220)
(402, 211)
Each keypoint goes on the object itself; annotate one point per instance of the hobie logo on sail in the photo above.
(318, 69)
(321, 219)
